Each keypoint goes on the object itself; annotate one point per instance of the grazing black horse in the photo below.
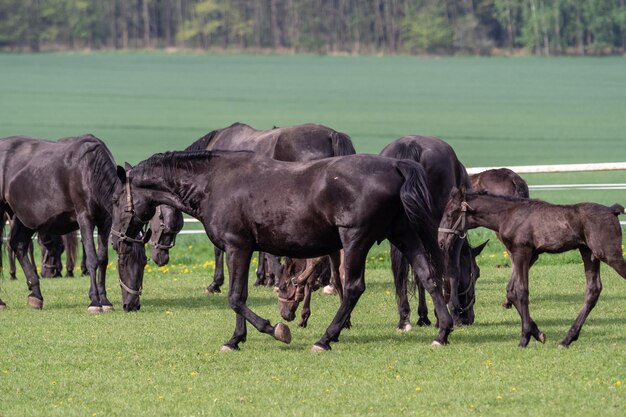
(528, 228)
(500, 181)
(444, 171)
(249, 203)
(55, 188)
(298, 143)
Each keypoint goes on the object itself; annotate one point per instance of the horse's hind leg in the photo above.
(592, 293)
(337, 279)
(400, 270)
(19, 240)
(218, 276)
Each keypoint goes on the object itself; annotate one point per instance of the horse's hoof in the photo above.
(406, 328)
(329, 290)
(317, 348)
(562, 346)
(226, 349)
(542, 337)
(212, 290)
(35, 302)
(282, 333)
(106, 308)
(423, 322)
(276, 289)
(94, 309)
(436, 344)
(3, 306)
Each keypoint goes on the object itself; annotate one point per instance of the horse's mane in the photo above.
(510, 198)
(102, 171)
(185, 160)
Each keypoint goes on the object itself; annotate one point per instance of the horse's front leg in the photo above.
(238, 261)
(218, 276)
(86, 231)
(517, 293)
(337, 277)
(19, 240)
(103, 259)
(592, 293)
(260, 270)
(306, 306)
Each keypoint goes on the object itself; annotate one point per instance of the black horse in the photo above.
(247, 203)
(299, 143)
(500, 181)
(528, 228)
(54, 188)
(444, 171)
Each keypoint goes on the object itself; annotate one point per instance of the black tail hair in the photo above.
(342, 144)
(417, 205)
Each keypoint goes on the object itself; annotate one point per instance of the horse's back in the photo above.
(443, 168)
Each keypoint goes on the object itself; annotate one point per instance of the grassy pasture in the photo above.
(164, 361)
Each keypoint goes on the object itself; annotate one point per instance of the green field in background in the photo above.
(163, 360)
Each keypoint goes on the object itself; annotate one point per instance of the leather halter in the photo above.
(458, 228)
(299, 288)
(156, 237)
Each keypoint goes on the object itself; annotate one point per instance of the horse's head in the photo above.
(164, 226)
(290, 291)
(130, 208)
(458, 266)
(469, 272)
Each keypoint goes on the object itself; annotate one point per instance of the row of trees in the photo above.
(545, 27)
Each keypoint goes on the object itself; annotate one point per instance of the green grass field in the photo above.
(164, 360)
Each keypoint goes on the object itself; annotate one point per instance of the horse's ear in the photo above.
(121, 174)
(127, 166)
(478, 249)
(463, 189)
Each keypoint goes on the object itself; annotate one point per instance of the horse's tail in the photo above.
(521, 188)
(617, 209)
(202, 143)
(416, 200)
(342, 144)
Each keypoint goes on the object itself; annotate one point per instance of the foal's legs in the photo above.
(592, 293)
(19, 240)
(218, 276)
(238, 261)
(517, 293)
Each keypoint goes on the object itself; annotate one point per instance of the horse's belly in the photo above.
(299, 245)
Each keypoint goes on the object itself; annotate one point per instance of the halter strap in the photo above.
(156, 237)
(130, 290)
(129, 209)
(458, 228)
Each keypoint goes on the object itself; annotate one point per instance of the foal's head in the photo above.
(164, 226)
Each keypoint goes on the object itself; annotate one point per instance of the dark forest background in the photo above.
(481, 27)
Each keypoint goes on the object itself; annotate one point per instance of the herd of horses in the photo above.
(296, 193)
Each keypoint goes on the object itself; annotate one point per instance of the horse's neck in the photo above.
(488, 212)
(179, 190)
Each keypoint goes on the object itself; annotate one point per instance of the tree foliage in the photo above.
(545, 27)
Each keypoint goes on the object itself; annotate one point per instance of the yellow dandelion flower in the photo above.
(194, 373)
(472, 406)
(499, 397)
(488, 362)
(397, 376)
(618, 383)
(168, 312)
(53, 382)
(161, 397)
(417, 389)
(186, 270)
